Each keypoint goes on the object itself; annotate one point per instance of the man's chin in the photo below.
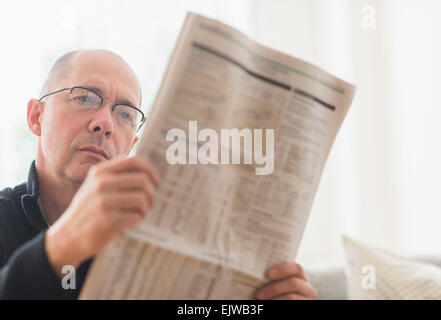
(79, 172)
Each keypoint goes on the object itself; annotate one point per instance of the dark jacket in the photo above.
(25, 272)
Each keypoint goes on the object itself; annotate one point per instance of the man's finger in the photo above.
(130, 164)
(125, 221)
(285, 270)
(291, 296)
(127, 182)
(286, 286)
(129, 202)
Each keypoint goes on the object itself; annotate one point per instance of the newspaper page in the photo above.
(239, 134)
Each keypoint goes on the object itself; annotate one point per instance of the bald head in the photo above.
(64, 65)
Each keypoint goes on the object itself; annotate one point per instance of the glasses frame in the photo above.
(101, 103)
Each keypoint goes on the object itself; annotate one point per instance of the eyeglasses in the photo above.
(128, 116)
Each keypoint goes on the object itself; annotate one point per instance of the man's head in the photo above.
(69, 135)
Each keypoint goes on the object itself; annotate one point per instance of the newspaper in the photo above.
(216, 229)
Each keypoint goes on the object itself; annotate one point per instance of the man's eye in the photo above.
(84, 99)
(126, 116)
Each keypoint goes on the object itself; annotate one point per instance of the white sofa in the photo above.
(330, 280)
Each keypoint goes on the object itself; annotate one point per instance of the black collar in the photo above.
(29, 201)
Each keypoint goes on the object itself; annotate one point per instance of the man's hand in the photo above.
(114, 196)
(288, 282)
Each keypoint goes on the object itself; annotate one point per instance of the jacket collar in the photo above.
(29, 201)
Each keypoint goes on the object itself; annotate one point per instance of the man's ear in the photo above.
(35, 111)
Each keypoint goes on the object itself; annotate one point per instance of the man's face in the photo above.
(71, 139)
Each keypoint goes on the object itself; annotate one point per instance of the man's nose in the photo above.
(103, 121)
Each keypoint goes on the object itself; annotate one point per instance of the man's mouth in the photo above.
(96, 152)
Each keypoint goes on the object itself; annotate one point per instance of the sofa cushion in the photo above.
(373, 273)
(329, 280)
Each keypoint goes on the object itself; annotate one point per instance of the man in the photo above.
(82, 190)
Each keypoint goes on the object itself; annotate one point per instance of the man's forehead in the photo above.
(104, 72)
(124, 93)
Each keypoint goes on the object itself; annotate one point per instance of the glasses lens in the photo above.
(86, 98)
(129, 116)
